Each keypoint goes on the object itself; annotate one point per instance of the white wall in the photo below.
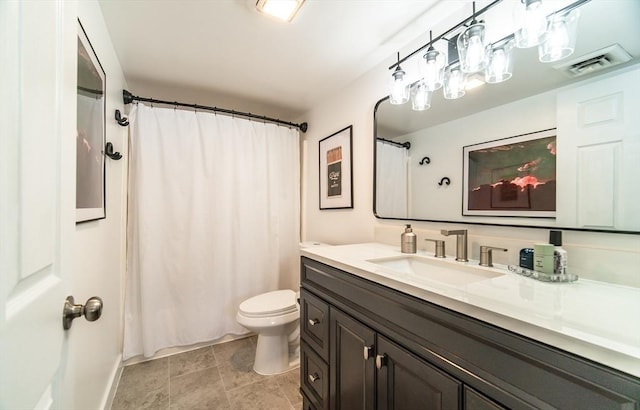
(606, 257)
(95, 348)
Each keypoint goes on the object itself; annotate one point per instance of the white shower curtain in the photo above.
(213, 219)
(391, 180)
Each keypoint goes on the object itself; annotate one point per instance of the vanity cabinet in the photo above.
(368, 346)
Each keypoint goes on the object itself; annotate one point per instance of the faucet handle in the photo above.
(439, 247)
(485, 254)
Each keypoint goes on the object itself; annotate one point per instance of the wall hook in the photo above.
(444, 180)
(124, 121)
(108, 151)
(425, 160)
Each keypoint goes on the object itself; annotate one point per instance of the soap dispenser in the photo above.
(408, 240)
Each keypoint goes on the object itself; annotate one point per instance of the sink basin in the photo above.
(425, 270)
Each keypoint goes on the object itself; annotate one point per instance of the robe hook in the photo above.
(444, 180)
(124, 121)
(425, 160)
(108, 151)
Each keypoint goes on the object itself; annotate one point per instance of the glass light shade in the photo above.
(398, 87)
(454, 83)
(471, 48)
(421, 97)
(499, 63)
(530, 22)
(432, 67)
(560, 38)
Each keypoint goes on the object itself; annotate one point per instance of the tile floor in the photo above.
(214, 377)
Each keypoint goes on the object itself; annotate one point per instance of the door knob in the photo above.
(381, 361)
(91, 310)
(313, 322)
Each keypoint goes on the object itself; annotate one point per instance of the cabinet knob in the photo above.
(314, 377)
(313, 322)
(381, 360)
(368, 352)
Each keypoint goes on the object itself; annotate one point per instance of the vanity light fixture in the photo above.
(432, 65)
(281, 9)
(398, 86)
(531, 23)
(472, 63)
(471, 46)
(560, 37)
(499, 62)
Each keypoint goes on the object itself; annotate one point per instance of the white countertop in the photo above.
(595, 320)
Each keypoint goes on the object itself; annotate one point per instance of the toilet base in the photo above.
(273, 355)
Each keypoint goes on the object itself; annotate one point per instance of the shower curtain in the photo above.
(213, 219)
(391, 180)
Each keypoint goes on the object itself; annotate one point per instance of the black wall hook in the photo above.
(444, 180)
(425, 160)
(108, 151)
(124, 121)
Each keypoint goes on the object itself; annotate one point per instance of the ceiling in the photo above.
(225, 47)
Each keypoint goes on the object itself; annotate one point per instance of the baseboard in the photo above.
(116, 373)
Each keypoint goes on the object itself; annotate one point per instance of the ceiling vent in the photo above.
(594, 61)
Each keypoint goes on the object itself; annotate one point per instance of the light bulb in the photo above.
(499, 63)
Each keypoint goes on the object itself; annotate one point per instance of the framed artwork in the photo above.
(336, 178)
(514, 176)
(90, 137)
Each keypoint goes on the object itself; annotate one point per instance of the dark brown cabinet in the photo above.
(407, 382)
(352, 353)
(366, 346)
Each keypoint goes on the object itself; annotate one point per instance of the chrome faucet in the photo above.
(485, 255)
(461, 243)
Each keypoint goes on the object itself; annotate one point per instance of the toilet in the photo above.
(274, 316)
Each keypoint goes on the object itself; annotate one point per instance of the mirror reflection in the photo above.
(589, 103)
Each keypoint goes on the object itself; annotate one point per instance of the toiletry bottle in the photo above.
(408, 240)
(526, 258)
(543, 257)
(559, 254)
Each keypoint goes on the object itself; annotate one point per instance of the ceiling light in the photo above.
(471, 46)
(421, 96)
(454, 82)
(499, 63)
(560, 38)
(531, 23)
(281, 9)
(432, 65)
(398, 86)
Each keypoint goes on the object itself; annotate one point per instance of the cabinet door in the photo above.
(476, 401)
(406, 382)
(352, 363)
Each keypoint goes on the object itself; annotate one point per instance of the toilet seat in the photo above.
(276, 303)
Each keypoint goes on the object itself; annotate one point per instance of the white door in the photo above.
(37, 184)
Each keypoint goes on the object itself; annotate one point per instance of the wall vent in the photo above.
(594, 61)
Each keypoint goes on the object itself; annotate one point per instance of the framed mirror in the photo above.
(589, 102)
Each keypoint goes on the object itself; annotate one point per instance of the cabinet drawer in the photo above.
(314, 378)
(314, 316)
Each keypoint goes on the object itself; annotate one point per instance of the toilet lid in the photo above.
(279, 302)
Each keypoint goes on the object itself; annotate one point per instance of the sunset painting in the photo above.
(511, 177)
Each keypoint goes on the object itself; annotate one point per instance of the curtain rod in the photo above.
(406, 145)
(129, 98)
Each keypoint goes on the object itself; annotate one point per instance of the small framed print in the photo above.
(336, 177)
